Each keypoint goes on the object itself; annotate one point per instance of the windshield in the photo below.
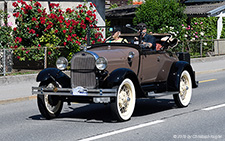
(109, 35)
(129, 35)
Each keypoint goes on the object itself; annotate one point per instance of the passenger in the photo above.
(148, 41)
(116, 38)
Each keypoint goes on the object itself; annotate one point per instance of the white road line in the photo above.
(122, 130)
(214, 107)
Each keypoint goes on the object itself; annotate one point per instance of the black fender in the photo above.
(177, 68)
(116, 77)
(54, 74)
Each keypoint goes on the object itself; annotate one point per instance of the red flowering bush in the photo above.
(37, 29)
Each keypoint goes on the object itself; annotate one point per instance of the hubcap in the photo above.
(184, 87)
(49, 105)
(124, 98)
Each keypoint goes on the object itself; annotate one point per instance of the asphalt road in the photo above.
(155, 120)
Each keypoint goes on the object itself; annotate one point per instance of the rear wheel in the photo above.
(123, 107)
(50, 106)
(184, 97)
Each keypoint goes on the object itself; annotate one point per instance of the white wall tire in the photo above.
(124, 105)
(185, 90)
(49, 106)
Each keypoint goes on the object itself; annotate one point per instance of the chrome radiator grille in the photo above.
(83, 70)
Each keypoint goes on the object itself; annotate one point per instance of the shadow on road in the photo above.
(99, 113)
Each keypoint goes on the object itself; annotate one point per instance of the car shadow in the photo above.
(99, 113)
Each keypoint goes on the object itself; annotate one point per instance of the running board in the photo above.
(155, 95)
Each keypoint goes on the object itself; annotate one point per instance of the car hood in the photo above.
(117, 57)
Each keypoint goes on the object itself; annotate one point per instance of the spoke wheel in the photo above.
(125, 102)
(49, 106)
(185, 90)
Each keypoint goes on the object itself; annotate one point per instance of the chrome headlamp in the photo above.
(101, 63)
(61, 63)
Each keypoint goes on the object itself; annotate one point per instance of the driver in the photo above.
(148, 41)
(115, 38)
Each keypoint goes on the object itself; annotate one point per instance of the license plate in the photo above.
(101, 99)
(79, 91)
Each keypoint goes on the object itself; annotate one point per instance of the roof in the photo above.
(123, 11)
(205, 9)
(200, 10)
(197, 1)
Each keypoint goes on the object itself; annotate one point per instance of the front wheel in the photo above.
(185, 90)
(124, 105)
(49, 106)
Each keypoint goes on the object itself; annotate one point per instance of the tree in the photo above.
(157, 14)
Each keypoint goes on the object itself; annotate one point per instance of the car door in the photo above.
(151, 64)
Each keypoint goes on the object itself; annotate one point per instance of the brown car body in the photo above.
(149, 66)
(151, 73)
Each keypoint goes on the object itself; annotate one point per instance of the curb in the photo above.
(207, 59)
(17, 99)
(6, 80)
(210, 71)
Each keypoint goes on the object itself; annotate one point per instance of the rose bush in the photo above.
(37, 29)
(191, 35)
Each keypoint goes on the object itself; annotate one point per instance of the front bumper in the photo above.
(85, 92)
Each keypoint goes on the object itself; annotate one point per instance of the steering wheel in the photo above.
(164, 46)
(144, 46)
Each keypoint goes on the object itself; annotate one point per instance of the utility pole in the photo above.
(49, 5)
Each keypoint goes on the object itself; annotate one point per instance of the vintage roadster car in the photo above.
(116, 74)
